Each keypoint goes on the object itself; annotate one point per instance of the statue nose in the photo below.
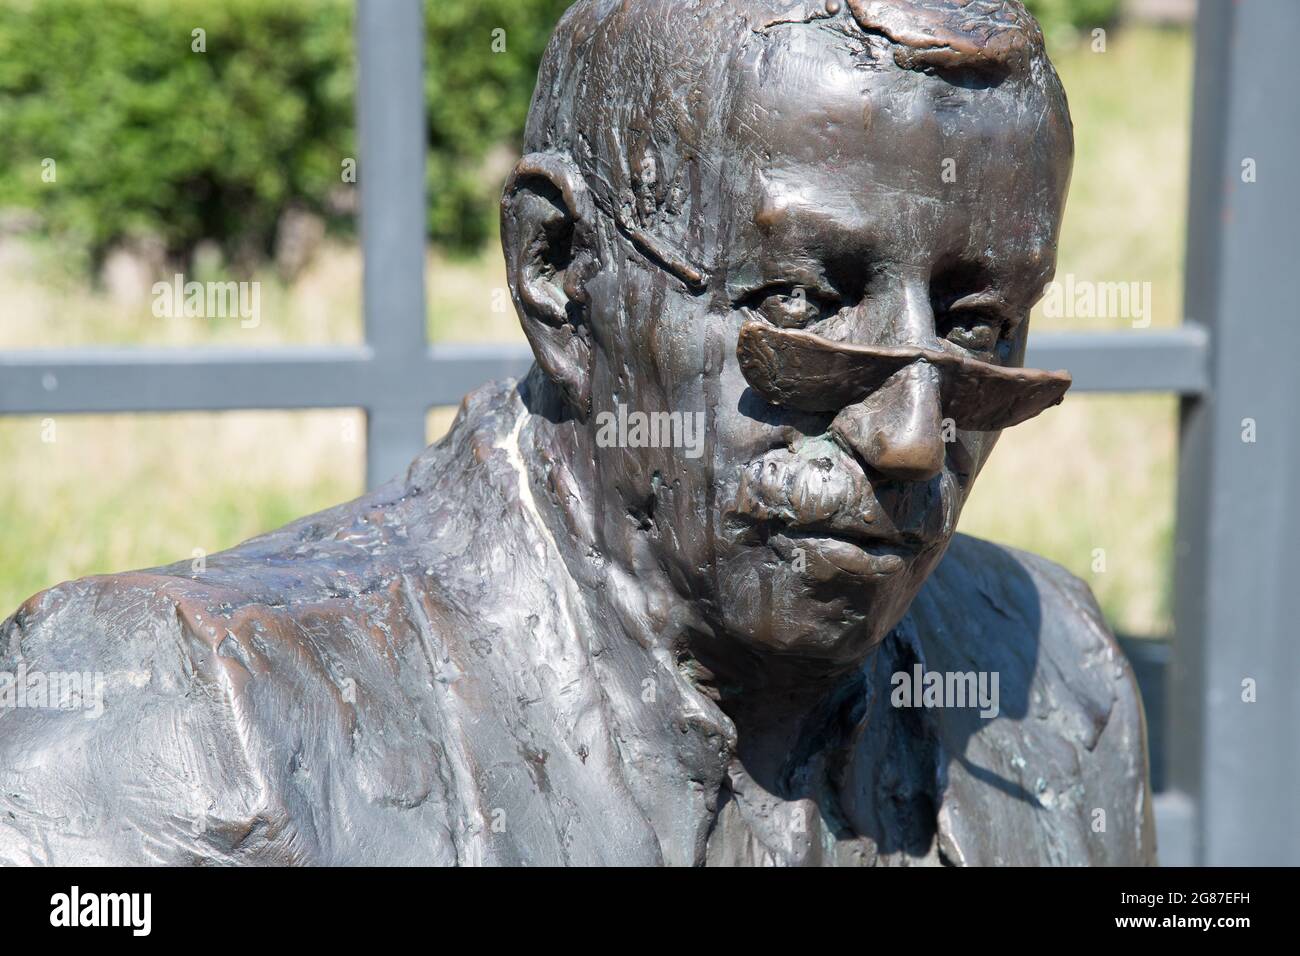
(898, 429)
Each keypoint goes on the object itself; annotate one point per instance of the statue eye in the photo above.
(980, 323)
(793, 307)
(972, 331)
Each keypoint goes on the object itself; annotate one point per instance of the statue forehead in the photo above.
(823, 147)
(682, 116)
(807, 93)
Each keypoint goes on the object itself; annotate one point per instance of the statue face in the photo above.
(887, 209)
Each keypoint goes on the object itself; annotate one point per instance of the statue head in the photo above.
(814, 228)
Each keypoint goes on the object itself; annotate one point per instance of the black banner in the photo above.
(337, 906)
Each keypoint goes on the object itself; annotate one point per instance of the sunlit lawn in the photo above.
(115, 492)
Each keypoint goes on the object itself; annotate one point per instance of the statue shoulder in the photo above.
(1070, 734)
(150, 718)
(121, 741)
(1035, 622)
(1039, 601)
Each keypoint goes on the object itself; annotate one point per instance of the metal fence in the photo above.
(1232, 765)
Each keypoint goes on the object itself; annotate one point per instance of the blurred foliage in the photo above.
(153, 139)
(1061, 20)
(477, 100)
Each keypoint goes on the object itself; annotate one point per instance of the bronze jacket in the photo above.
(354, 689)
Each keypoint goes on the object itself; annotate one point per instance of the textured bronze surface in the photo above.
(651, 605)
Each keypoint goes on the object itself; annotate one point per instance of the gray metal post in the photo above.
(391, 124)
(1237, 552)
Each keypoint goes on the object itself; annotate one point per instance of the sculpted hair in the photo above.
(639, 93)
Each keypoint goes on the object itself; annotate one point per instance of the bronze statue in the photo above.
(689, 593)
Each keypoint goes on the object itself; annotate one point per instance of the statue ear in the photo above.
(548, 234)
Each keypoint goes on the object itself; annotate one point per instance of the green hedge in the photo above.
(1060, 19)
(151, 138)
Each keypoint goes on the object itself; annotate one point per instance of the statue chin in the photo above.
(809, 606)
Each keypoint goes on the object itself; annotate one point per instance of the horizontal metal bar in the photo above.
(40, 381)
(1140, 360)
(154, 379)
(450, 372)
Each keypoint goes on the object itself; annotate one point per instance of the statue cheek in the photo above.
(967, 453)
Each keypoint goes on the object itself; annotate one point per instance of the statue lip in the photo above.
(852, 553)
(799, 369)
(893, 543)
(901, 543)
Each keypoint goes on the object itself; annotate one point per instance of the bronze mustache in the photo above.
(831, 493)
(798, 369)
